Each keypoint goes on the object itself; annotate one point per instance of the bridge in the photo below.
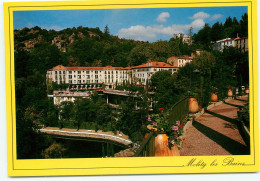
(89, 135)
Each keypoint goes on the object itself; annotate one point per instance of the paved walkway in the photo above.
(215, 132)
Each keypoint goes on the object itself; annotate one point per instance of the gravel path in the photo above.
(215, 133)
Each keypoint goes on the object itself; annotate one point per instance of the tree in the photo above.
(67, 110)
(54, 151)
(244, 26)
(84, 111)
(30, 142)
(43, 57)
(228, 23)
(140, 54)
(203, 37)
(107, 33)
(217, 32)
(205, 63)
(165, 91)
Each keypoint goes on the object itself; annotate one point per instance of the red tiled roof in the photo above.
(153, 64)
(156, 64)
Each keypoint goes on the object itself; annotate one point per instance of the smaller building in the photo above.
(240, 43)
(185, 38)
(179, 61)
(142, 74)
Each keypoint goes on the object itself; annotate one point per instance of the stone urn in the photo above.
(214, 97)
(247, 91)
(193, 105)
(230, 93)
(161, 147)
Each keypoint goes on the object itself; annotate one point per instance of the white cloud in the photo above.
(200, 15)
(216, 16)
(137, 32)
(198, 23)
(162, 17)
(149, 33)
(53, 27)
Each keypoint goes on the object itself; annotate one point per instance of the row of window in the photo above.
(88, 77)
(87, 72)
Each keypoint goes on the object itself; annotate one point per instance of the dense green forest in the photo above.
(37, 50)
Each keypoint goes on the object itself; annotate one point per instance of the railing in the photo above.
(147, 147)
(179, 110)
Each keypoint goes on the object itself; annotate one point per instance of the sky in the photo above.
(149, 24)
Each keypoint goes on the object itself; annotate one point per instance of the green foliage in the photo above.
(166, 93)
(55, 86)
(56, 150)
(131, 119)
(43, 57)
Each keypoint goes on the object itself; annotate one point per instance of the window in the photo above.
(87, 72)
(96, 76)
(70, 76)
(70, 81)
(79, 76)
(87, 76)
(96, 72)
(70, 72)
(78, 72)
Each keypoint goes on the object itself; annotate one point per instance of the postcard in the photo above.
(131, 87)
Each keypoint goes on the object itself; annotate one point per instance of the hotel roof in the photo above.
(155, 64)
(148, 64)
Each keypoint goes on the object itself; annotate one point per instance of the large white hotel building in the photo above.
(107, 75)
(83, 80)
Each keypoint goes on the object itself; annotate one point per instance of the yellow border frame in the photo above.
(113, 166)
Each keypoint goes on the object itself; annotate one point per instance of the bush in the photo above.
(54, 151)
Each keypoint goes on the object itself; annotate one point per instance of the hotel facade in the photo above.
(108, 75)
(82, 81)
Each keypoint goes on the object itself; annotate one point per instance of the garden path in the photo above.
(215, 132)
